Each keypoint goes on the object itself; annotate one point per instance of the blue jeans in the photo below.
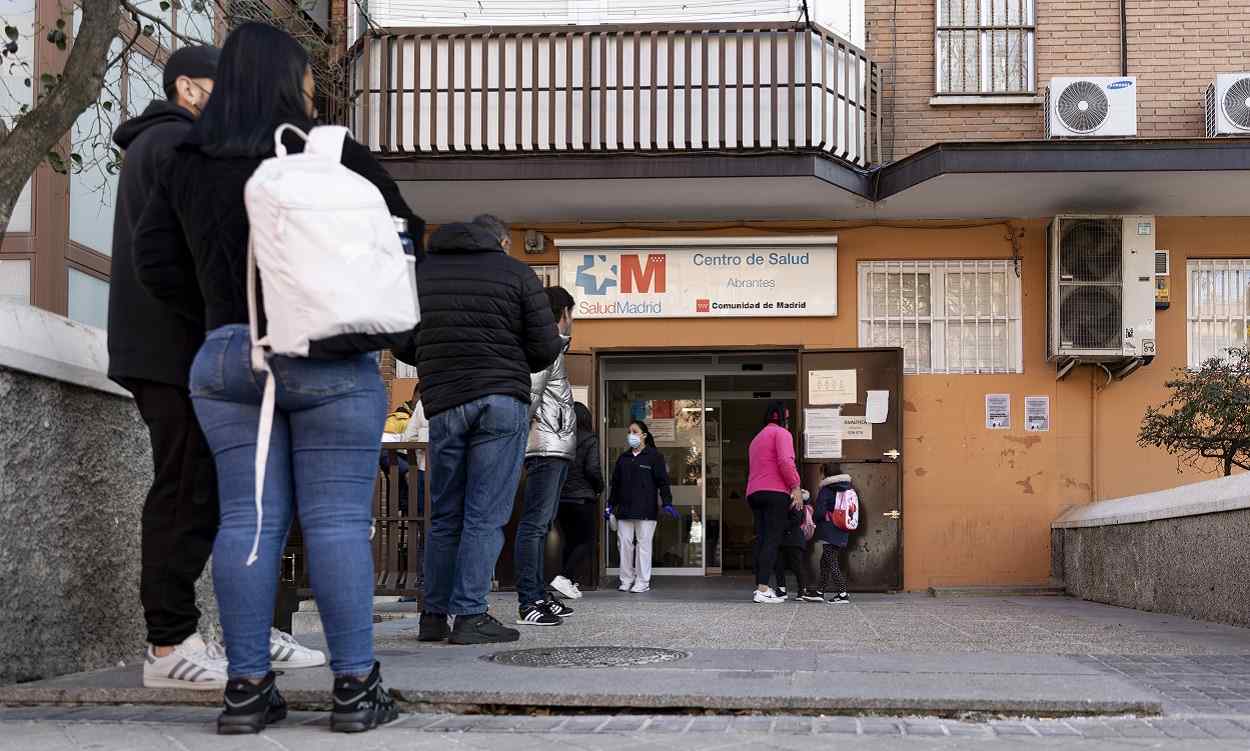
(544, 477)
(323, 462)
(475, 457)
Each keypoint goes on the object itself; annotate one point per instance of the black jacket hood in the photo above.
(158, 112)
(464, 237)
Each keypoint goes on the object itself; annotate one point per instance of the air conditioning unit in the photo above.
(1228, 105)
(1101, 288)
(1091, 107)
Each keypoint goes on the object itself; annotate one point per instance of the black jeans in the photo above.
(795, 560)
(578, 524)
(772, 515)
(180, 514)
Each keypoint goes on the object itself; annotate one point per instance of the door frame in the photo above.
(900, 412)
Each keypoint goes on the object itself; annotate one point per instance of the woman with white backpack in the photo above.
(294, 371)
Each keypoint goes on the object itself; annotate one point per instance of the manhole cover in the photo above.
(587, 657)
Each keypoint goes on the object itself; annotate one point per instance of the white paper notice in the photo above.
(822, 420)
(823, 445)
(1037, 414)
(878, 407)
(832, 387)
(664, 431)
(582, 394)
(998, 411)
(856, 429)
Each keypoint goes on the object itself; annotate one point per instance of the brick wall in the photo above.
(1175, 49)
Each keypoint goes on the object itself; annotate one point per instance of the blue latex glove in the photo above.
(672, 512)
(607, 513)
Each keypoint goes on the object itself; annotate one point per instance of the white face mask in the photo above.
(635, 440)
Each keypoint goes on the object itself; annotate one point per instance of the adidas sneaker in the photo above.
(536, 615)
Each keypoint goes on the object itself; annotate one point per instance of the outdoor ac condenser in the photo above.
(1228, 105)
(1101, 288)
(1091, 107)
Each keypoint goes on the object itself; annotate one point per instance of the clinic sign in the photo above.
(705, 278)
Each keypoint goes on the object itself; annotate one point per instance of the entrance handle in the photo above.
(891, 454)
(893, 514)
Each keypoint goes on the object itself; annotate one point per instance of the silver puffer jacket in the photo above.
(554, 425)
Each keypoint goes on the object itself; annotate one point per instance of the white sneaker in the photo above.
(286, 653)
(565, 587)
(578, 590)
(625, 586)
(189, 666)
(768, 598)
(640, 587)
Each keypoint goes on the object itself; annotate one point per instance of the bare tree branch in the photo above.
(133, 38)
(157, 20)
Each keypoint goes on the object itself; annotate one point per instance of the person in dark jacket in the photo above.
(151, 346)
(791, 556)
(486, 327)
(833, 539)
(329, 412)
(640, 488)
(578, 512)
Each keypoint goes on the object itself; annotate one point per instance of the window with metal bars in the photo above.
(548, 275)
(1219, 308)
(948, 316)
(985, 47)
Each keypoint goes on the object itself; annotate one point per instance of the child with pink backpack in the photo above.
(837, 515)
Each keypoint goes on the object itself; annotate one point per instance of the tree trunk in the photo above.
(38, 131)
(1228, 462)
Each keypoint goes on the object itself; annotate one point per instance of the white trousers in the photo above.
(635, 534)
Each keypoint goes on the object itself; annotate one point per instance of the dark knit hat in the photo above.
(193, 62)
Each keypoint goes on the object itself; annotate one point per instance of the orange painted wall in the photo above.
(977, 503)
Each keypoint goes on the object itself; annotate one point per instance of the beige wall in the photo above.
(977, 504)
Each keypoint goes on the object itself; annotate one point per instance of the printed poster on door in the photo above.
(610, 282)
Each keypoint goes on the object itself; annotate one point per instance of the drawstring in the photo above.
(265, 428)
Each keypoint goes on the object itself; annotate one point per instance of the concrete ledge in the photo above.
(1210, 497)
(40, 343)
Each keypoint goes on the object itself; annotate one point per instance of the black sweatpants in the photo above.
(830, 572)
(772, 515)
(180, 514)
(791, 558)
(578, 525)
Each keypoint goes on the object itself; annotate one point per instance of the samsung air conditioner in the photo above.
(1101, 288)
(1091, 107)
(1228, 105)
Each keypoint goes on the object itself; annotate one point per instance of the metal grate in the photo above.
(948, 316)
(587, 657)
(1090, 317)
(1082, 106)
(1219, 307)
(985, 46)
(1091, 250)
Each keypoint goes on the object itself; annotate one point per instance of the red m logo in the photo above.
(653, 278)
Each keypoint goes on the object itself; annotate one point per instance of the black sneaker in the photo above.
(362, 705)
(536, 615)
(842, 599)
(811, 595)
(781, 592)
(251, 706)
(481, 629)
(434, 627)
(559, 609)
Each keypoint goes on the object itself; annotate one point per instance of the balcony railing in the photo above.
(612, 89)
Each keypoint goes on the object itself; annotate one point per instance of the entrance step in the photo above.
(1023, 590)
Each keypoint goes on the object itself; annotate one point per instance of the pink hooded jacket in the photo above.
(772, 466)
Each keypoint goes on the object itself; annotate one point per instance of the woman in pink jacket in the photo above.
(773, 487)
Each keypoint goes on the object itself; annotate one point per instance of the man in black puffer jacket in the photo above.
(486, 325)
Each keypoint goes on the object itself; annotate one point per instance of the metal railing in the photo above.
(615, 89)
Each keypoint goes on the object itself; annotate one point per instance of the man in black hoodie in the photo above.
(486, 325)
(151, 346)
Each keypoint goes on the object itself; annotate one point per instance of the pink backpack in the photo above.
(808, 526)
(845, 511)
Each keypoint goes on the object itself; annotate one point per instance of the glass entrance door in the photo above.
(674, 413)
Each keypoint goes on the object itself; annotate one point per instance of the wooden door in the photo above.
(874, 559)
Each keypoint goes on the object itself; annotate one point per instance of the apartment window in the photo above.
(15, 282)
(985, 47)
(948, 316)
(549, 276)
(1219, 308)
(88, 299)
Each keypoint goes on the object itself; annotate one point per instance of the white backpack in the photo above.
(330, 259)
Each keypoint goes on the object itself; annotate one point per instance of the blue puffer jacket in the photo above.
(827, 531)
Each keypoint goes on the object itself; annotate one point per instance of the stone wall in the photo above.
(1184, 551)
(75, 465)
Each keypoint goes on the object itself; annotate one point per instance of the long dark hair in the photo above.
(259, 86)
(777, 413)
(647, 439)
(585, 422)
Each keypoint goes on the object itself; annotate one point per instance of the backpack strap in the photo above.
(327, 141)
(278, 147)
(261, 365)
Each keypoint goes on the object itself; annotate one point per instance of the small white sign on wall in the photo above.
(1037, 414)
(998, 411)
